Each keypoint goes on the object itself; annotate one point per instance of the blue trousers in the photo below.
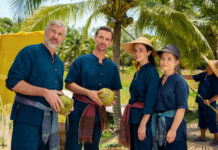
(72, 142)
(207, 118)
(136, 144)
(27, 137)
(180, 142)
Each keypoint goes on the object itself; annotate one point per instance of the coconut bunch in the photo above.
(115, 11)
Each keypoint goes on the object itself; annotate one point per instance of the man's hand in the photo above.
(51, 96)
(93, 95)
(207, 102)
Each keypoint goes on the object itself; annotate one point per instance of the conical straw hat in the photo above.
(129, 46)
(213, 64)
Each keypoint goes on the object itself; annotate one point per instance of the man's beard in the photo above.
(50, 45)
(100, 49)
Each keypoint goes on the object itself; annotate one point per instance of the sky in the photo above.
(5, 10)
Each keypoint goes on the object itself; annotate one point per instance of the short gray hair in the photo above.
(57, 23)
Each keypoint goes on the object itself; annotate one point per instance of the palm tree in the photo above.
(72, 46)
(207, 21)
(153, 15)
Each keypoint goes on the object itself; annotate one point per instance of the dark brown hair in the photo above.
(105, 28)
(150, 57)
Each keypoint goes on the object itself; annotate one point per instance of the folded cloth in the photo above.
(49, 123)
(158, 127)
(87, 120)
(124, 137)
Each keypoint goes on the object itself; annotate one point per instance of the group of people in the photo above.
(153, 118)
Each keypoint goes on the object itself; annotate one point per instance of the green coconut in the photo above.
(106, 96)
(67, 103)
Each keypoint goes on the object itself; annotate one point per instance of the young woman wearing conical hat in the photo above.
(135, 131)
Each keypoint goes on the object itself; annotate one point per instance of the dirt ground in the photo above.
(193, 132)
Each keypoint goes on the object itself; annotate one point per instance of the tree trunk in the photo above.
(116, 60)
(215, 51)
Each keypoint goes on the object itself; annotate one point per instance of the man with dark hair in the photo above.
(105, 28)
(36, 76)
(87, 75)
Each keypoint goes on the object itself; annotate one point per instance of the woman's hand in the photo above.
(142, 132)
(171, 135)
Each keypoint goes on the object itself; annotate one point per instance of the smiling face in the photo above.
(103, 40)
(140, 53)
(168, 61)
(54, 36)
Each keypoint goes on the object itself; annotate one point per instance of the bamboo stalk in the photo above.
(203, 99)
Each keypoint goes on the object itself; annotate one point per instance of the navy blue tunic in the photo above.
(143, 88)
(172, 96)
(208, 87)
(87, 72)
(34, 64)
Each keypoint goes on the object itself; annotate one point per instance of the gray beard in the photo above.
(50, 45)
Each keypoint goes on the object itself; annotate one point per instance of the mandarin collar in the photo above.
(97, 59)
(48, 52)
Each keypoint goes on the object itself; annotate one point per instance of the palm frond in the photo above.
(26, 7)
(96, 15)
(206, 21)
(210, 4)
(173, 27)
(65, 12)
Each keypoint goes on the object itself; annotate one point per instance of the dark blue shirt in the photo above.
(87, 72)
(35, 65)
(143, 88)
(173, 94)
(208, 86)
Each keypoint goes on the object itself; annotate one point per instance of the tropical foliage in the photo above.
(207, 22)
(7, 26)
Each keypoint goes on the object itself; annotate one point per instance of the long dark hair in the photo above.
(150, 57)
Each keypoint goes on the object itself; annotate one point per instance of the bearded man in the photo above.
(36, 76)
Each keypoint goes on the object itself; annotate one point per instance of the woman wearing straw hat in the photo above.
(135, 130)
(168, 125)
(208, 89)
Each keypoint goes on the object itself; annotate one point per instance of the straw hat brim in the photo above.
(129, 46)
(211, 65)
